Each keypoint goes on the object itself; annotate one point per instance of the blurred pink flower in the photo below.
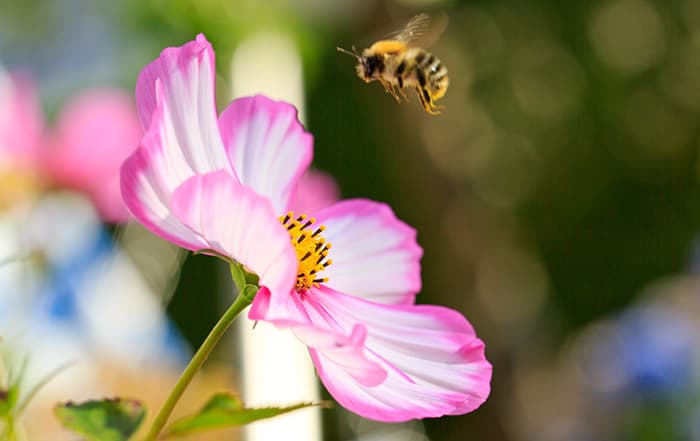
(20, 140)
(21, 123)
(93, 135)
(315, 190)
(220, 184)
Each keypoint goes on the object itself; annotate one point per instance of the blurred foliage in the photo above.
(226, 410)
(102, 420)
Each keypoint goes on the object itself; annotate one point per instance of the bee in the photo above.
(399, 63)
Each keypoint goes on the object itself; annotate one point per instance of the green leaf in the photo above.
(102, 420)
(237, 274)
(241, 277)
(226, 410)
(251, 279)
(8, 400)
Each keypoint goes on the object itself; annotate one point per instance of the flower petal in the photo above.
(346, 350)
(433, 362)
(175, 99)
(235, 221)
(21, 122)
(315, 190)
(267, 146)
(375, 255)
(94, 134)
(183, 77)
(149, 177)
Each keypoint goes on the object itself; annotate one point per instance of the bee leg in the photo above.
(419, 91)
(434, 110)
(389, 88)
(392, 90)
(398, 93)
(403, 93)
(385, 85)
(427, 101)
(400, 87)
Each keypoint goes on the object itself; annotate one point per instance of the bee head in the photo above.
(367, 65)
(370, 67)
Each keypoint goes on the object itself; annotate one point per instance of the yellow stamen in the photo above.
(311, 248)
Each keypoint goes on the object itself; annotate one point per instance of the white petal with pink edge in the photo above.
(149, 177)
(345, 349)
(433, 363)
(175, 100)
(236, 222)
(346, 352)
(267, 146)
(184, 78)
(375, 256)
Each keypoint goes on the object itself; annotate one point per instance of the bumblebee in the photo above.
(399, 62)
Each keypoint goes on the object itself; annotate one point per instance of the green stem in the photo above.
(10, 428)
(199, 358)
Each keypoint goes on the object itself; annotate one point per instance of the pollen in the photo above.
(311, 248)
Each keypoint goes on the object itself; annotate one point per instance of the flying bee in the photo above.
(399, 63)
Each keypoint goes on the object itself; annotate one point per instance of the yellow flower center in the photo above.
(311, 247)
(16, 187)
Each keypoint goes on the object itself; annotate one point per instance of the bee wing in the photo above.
(422, 30)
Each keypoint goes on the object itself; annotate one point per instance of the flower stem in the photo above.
(199, 358)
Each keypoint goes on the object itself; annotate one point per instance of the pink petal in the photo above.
(148, 179)
(375, 255)
(267, 146)
(21, 122)
(236, 222)
(184, 78)
(344, 352)
(344, 349)
(94, 134)
(175, 99)
(433, 363)
(315, 190)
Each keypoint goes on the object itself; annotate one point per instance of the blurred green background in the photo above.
(558, 185)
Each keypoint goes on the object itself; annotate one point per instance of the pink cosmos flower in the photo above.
(94, 133)
(224, 184)
(315, 190)
(20, 123)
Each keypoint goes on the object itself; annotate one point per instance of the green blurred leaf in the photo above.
(102, 420)
(226, 410)
(8, 399)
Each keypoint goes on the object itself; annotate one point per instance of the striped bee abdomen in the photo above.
(435, 74)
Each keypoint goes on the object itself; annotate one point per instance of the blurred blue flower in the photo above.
(657, 349)
(86, 300)
(647, 351)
